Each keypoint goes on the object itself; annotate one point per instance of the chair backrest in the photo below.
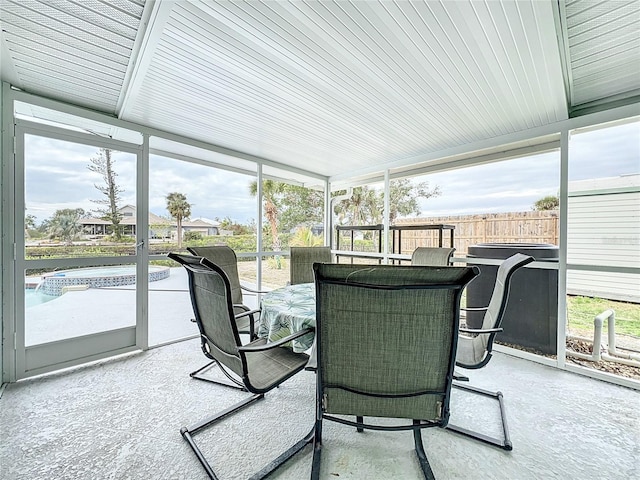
(226, 259)
(302, 260)
(386, 338)
(210, 292)
(433, 256)
(474, 352)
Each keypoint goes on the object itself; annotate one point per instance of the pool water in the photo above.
(93, 272)
(33, 297)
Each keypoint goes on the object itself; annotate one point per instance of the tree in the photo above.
(238, 229)
(65, 224)
(271, 193)
(404, 196)
(103, 164)
(366, 205)
(179, 209)
(550, 202)
(301, 206)
(29, 224)
(192, 236)
(362, 208)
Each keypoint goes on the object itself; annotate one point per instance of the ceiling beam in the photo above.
(154, 17)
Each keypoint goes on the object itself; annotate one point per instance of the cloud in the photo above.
(213, 193)
(515, 185)
(57, 177)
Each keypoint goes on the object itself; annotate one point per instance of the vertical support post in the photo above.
(328, 215)
(386, 213)
(259, 227)
(562, 260)
(142, 242)
(8, 356)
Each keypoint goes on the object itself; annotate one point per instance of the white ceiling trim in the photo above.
(154, 17)
(611, 115)
(148, 12)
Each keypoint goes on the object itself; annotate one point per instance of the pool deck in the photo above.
(93, 310)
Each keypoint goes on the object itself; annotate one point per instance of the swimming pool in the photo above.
(100, 277)
(33, 298)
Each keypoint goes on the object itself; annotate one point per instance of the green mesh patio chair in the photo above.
(302, 260)
(475, 345)
(432, 256)
(225, 258)
(258, 366)
(385, 347)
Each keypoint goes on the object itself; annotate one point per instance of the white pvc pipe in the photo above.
(614, 355)
(612, 340)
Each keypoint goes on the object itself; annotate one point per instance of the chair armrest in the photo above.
(248, 312)
(279, 343)
(252, 290)
(312, 364)
(459, 377)
(480, 330)
(474, 309)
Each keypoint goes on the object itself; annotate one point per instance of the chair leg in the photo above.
(317, 451)
(504, 444)
(359, 420)
(422, 456)
(286, 456)
(233, 383)
(189, 432)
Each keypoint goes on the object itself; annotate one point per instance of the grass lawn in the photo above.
(582, 310)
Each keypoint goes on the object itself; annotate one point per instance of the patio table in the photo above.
(287, 310)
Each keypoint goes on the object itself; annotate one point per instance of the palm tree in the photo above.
(65, 224)
(363, 208)
(304, 237)
(270, 191)
(178, 208)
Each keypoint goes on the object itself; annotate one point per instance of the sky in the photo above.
(57, 176)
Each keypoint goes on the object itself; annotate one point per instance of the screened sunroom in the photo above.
(133, 128)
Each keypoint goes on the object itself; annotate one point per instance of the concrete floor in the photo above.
(120, 419)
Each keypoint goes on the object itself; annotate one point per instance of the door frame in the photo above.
(25, 361)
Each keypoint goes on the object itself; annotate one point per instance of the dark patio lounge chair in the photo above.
(259, 366)
(225, 258)
(385, 347)
(302, 260)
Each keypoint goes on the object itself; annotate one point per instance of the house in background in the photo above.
(204, 227)
(159, 227)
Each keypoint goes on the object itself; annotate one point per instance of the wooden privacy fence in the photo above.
(511, 227)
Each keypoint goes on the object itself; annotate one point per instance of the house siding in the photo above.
(603, 229)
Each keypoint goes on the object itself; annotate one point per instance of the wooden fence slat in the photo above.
(510, 227)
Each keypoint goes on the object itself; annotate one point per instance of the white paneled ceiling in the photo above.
(329, 87)
(603, 48)
(77, 52)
